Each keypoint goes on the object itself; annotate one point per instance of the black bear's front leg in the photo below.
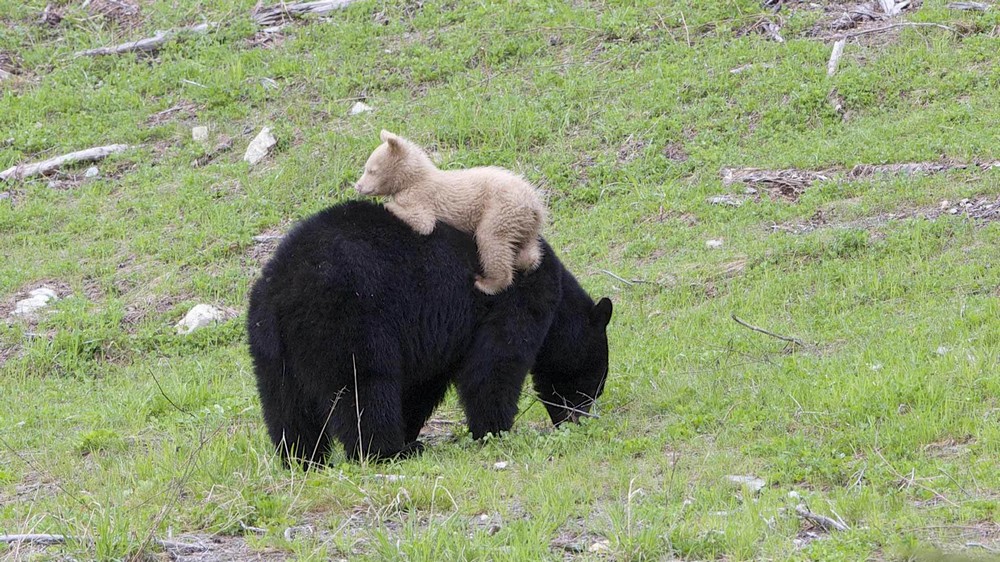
(419, 401)
(489, 386)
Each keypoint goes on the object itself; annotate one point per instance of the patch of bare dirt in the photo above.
(675, 151)
(980, 209)
(843, 16)
(264, 244)
(949, 448)
(268, 37)
(223, 548)
(62, 290)
(787, 184)
(10, 65)
(126, 14)
(631, 149)
(183, 111)
(790, 183)
(137, 312)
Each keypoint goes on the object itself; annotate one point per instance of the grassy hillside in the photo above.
(116, 432)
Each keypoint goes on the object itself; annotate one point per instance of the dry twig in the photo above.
(50, 165)
(788, 339)
(895, 25)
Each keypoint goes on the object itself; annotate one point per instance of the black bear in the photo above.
(358, 325)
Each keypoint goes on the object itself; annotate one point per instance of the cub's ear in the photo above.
(392, 140)
(600, 315)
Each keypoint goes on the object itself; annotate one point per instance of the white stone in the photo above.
(944, 204)
(953, 211)
(942, 350)
(199, 134)
(92, 172)
(713, 244)
(198, 317)
(37, 299)
(603, 545)
(501, 465)
(725, 200)
(360, 107)
(260, 146)
(754, 483)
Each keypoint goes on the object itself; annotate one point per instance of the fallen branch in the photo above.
(49, 540)
(33, 538)
(982, 546)
(146, 45)
(788, 339)
(46, 166)
(270, 16)
(969, 6)
(895, 25)
(822, 521)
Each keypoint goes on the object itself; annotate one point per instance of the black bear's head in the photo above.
(572, 367)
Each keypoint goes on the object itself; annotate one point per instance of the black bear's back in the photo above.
(362, 282)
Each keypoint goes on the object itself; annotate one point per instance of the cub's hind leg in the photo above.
(496, 254)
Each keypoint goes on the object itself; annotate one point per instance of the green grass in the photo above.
(114, 429)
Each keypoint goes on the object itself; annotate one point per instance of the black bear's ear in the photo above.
(600, 315)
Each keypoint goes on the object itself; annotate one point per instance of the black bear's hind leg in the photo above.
(379, 432)
(419, 402)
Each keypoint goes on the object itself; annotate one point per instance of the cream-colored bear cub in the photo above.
(500, 208)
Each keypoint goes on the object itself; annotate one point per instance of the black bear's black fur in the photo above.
(356, 313)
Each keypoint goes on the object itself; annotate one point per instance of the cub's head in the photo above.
(572, 367)
(395, 164)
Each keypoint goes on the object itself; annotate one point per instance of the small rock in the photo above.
(725, 200)
(713, 244)
(501, 465)
(964, 202)
(389, 477)
(199, 134)
(260, 146)
(198, 317)
(754, 483)
(54, 184)
(37, 299)
(600, 546)
(291, 532)
(942, 350)
(944, 204)
(750, 191)
(953, 211)
(92, 172)
(794, 495)
(360, 107)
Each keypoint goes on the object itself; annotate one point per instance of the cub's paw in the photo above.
(489, 286)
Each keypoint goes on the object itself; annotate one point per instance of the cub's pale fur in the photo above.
(500, 208)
